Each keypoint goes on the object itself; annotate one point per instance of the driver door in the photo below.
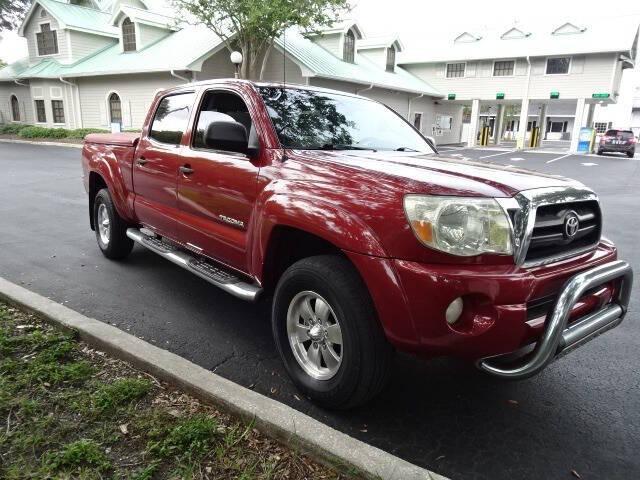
(217, 188)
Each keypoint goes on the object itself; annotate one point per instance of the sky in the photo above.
(417, 20)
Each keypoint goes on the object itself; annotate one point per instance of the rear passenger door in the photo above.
(217, 192)
(156, 163)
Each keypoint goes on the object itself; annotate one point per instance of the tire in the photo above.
(631, 154)
(113, 241)
(600, 152)
(365, 356)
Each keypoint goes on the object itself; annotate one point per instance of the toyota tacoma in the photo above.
(366, 239)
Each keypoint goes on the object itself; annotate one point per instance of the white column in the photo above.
(591, 109)
(542, 121)
(473, 127)
(499, 125)
(521, 139)
(578, 123)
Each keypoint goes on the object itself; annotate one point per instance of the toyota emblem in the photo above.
(571, 224)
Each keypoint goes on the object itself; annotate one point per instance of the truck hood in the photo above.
(436, 173)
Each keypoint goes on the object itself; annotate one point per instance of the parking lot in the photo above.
(582, 414)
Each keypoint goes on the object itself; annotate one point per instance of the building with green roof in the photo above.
(96, 62)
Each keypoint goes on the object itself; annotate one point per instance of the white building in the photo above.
(553, 75)
(102, 61)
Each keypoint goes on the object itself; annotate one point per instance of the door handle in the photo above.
(141, 161)
(186, 170)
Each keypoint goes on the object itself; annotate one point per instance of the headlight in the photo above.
(464, 226)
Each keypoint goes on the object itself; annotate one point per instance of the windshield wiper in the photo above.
(343, 146)
(406, 149)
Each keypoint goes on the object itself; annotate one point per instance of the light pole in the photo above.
(236, 59)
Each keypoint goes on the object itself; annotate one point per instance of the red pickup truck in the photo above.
(367, 239)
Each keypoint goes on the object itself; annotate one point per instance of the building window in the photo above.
(601, 127)
(115, 108)
(58, 111)
(391, 58)
(47, 40)
(444, 122)
(43, 13)
(349, 49)
(455, 70)
(15, 109)
(417, 121)
(557, 127)
(503, 68)
(558, 66)
(41, 114)
(128, 36)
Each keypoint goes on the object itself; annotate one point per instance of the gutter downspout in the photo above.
(77, 116)
(410, 102)
(174, 74)
(358, 92)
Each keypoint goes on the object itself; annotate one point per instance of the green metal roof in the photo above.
(77, 17)
(324, 64)
(10, 72)
(176, 51)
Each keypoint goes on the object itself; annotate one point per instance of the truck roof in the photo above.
(256, 84)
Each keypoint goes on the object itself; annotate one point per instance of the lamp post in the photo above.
(236, 59)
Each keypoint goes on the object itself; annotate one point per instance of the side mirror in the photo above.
(228, 136)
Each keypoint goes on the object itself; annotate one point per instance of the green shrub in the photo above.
(13, 128)
(43, 132)
(83, 132)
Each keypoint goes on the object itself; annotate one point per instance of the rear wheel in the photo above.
(327, 332)
(600, 152)
(111, 229)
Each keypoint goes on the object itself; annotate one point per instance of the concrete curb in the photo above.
(274, 418)
(51, 144)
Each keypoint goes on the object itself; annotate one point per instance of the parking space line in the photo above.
(559, 158)
(497, 154)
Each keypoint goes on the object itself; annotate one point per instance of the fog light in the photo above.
(454, 310)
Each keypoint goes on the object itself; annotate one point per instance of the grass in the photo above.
(68, 411)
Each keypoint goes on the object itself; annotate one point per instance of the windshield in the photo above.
(310, 120)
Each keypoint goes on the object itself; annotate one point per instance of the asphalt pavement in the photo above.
(581, 414)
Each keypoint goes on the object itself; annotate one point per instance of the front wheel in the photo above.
(111, 229)
(327, 332)
(631, 154)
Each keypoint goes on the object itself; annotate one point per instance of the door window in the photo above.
(171, 118)
(220, 106)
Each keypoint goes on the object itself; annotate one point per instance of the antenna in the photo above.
(284, 78)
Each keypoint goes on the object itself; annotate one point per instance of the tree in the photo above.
(251, 26)
(12, 12)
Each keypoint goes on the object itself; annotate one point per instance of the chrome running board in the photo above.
(203, 268)
(558, 339)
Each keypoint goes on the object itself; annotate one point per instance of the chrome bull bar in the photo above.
(559, 339)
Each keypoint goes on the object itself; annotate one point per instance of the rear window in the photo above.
(623, 134)
(171, 118)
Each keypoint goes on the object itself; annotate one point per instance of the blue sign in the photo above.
(585, 140)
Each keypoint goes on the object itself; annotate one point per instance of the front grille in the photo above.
(549, 238)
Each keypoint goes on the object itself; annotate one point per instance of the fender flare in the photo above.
(114, 172)
(315, 216)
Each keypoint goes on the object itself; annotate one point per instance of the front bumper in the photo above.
(559, 338)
